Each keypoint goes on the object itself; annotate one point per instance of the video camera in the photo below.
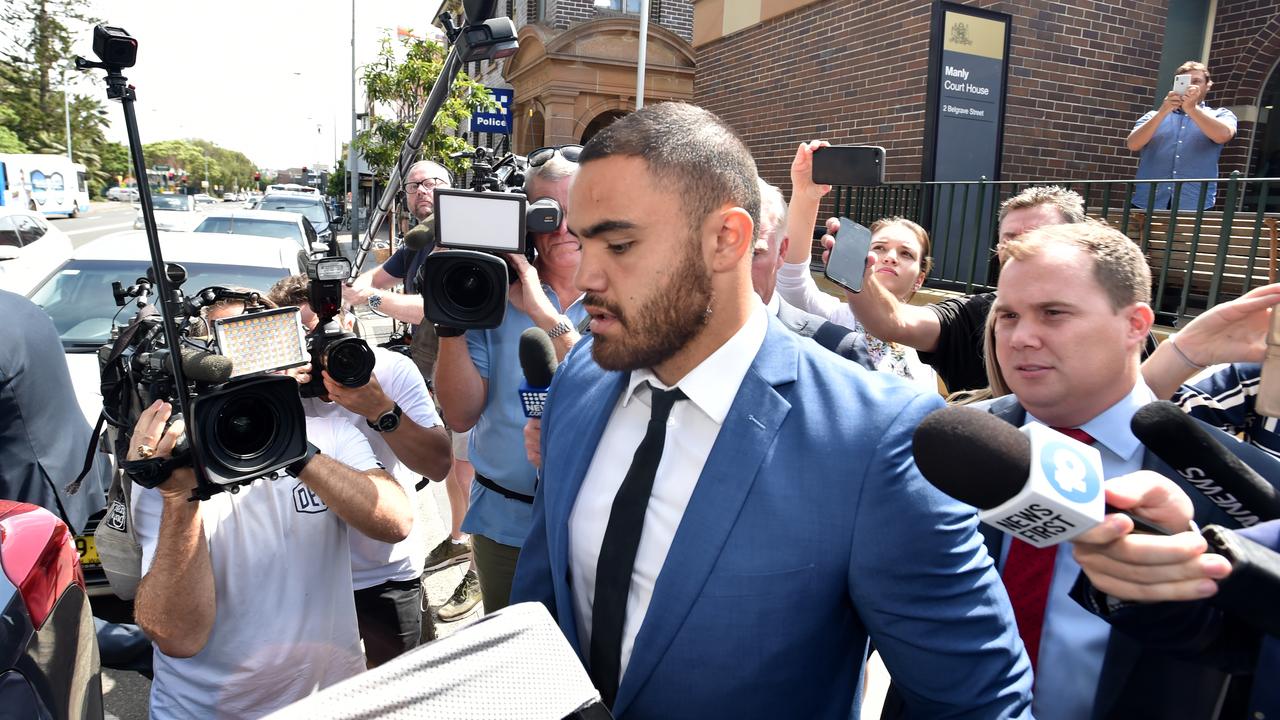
(347, 358)
(466, 285)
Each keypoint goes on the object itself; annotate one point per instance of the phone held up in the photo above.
(847, 262)
(1181, 83)
(855, 165)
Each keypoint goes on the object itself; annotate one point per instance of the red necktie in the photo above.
(1028, 572)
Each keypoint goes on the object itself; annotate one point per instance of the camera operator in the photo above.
(247, 596)
(478, 375)
(397, 416)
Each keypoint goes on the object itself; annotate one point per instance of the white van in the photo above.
(46, 184)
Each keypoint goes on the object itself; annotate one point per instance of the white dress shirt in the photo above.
(691, 432)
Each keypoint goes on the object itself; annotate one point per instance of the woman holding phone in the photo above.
(901, 248)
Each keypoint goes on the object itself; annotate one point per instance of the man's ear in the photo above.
(1141, 317)
(735, 239)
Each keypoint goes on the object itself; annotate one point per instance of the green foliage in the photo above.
(9, 142)
(398, 91)
(226, 169)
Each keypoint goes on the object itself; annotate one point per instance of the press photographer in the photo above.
(478, 376)
(397, 417)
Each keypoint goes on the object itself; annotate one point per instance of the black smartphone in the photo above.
(847, 262)
(849, 165)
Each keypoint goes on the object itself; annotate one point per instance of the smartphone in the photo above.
(849, 165)
(1268, 400)
(1181, 83)
(847, 263)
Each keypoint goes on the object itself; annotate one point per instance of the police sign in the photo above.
(499, 119)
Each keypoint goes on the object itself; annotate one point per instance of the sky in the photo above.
(271, 79)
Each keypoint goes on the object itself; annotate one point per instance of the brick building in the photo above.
(576, 68)
(1080, 73)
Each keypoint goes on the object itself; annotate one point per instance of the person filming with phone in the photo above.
(1183, 138)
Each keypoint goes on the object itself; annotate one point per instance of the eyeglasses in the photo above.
(429, 184)
(542, 155)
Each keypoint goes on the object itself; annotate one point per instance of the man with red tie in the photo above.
(1068, 325)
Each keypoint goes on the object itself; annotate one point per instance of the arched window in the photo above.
(1265, 160)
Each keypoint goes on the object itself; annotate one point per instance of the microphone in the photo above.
(1252, 589)
(206, 367)
(1035, 483)
(1180, 440)
(422, 235)
(538, 361)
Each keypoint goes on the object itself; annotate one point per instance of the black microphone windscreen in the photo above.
(1178, 439)
(973, 456)
(537, 357)
(421, 235)
(206, 367)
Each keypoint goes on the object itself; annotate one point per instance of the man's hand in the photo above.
(368, 400)
(1172, 101)
(1234, 331)
(533, 441)
(802, 184)
(526, 292)
(302, 373)
(1148, 568)
(150, 432)
(1193, 97)
(355, 295)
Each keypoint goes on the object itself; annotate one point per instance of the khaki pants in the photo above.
(496, 566)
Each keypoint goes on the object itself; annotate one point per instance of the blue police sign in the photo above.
(498, 121)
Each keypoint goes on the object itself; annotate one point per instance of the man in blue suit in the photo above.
(703, 467)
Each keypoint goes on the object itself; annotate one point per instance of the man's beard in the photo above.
(671, 318)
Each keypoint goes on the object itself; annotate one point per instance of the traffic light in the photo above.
(257, 176)
(170, 177)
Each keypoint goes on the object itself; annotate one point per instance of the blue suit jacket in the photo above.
(1139, 680)
(809, 530)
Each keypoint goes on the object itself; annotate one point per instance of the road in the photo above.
(125, 694)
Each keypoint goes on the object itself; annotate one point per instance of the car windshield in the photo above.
(169, 202)
(253, 226)
(310, 208)
(78, 297)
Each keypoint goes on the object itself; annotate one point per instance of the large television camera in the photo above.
(465, 286)
(245, 425)
(347, 358)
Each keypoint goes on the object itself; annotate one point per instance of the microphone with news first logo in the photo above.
(1035, 484)
(539, 363)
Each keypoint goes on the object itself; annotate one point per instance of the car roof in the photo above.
(228, 249)
(18, 210)
(289, 194)
(244, 213)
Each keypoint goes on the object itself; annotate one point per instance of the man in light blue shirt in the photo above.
(1181, 140)
(478, 374)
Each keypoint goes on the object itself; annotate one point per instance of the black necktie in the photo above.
(618, 550)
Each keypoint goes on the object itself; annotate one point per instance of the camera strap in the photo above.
(74, 486)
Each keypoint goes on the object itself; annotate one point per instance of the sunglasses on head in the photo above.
(542, 155)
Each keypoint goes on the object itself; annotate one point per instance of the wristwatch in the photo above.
(446, 331)
(375, 301)
(297, 466)
(561, 328)
(387, 421)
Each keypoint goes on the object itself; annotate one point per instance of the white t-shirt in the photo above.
(286, 617)
(374, 562)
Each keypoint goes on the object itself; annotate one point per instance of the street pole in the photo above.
(207, 186)
(66, 112)
(352, 166)
(644, 43)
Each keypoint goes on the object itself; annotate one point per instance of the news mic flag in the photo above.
(513, 664)
(539, 363)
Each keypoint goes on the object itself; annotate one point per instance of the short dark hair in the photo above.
(691, 150)
(291, 291)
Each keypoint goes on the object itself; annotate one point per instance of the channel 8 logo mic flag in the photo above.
(1063, 496)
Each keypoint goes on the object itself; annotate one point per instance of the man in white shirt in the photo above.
(674, 437)
(247, 596)
(398, 418)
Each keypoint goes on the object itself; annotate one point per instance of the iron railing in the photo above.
(1198, 257)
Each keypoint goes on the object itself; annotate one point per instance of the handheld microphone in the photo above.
(1035, 483)
(1178, 439)
(422, 235)
(1252, 590)
(206, 367)
(538, 361)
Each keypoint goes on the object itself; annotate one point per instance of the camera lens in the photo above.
(349, 361)
(468, 286)
(246, 426)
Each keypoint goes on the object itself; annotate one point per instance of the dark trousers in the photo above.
(391, 619)
(496, 567)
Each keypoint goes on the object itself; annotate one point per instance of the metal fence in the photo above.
(1199, 257)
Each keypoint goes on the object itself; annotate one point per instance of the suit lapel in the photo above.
(747, 435)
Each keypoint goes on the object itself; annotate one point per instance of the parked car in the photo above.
(290, 226)
(122, 194)
(77, 296)
(204, 200)
(49, 664)
(173, 212)
(30, 249)
(310, 205)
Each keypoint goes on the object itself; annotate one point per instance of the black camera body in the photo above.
(466, 285)
(348, 359)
